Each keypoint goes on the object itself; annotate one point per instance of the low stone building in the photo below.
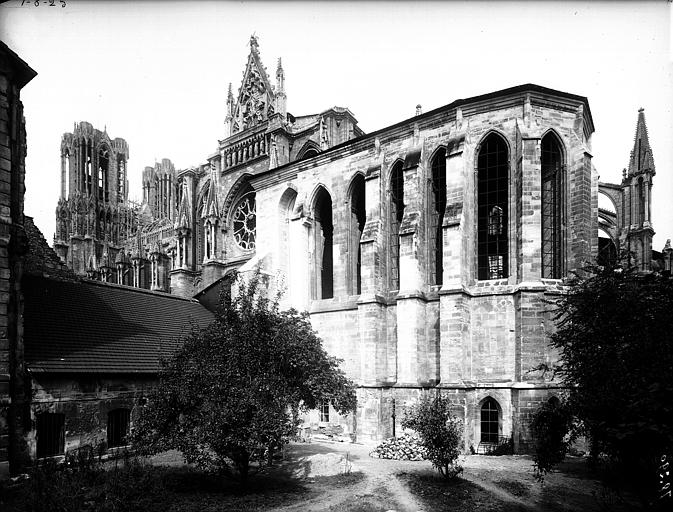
(92, 352)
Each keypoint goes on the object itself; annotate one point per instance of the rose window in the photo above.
(244, 222)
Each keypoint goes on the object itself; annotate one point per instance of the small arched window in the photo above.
(118, 424)
(552, 207)
(323, 232)
(357, 226)
(395, 219)
(490, 421)
(492, 199)
(437, 200)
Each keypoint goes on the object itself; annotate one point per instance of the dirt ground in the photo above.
(502, 483)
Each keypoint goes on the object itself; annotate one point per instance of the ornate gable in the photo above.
(255, 103)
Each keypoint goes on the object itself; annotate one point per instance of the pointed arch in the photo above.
(285, 209)
(356, 225)
(492, 207)
(490, 420)
(103, 172)
(436, 207)
(395, 216)
(323, 231)
(553, 205)
(308, 150)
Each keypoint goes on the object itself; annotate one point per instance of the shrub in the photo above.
(440, 433)
(551, 425)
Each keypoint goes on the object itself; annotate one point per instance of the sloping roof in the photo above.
(93, 327)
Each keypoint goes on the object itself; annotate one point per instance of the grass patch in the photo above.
(514, 487)
(136, 486)
(458, 494)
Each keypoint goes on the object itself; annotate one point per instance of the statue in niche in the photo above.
(273, 160)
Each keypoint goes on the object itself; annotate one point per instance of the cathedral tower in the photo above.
(92, 211)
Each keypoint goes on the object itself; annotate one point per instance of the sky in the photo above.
(156, 73)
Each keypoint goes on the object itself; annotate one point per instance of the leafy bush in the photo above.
(441, 434)
(503, 448)
(232, 393)
(551, 426)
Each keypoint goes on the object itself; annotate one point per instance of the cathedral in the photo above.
(426, 252)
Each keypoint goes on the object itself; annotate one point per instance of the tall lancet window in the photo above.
(492, 198)
(641, 200)
(357, 225)
(323, 232)
(552, 207)
(437, 205)
(396, 213)
(103, 167)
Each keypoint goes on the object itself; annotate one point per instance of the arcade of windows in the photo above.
(493, 197)
(493, 206)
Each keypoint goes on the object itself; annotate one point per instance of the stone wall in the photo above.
(14, 74)
(469, 338)
(85, 401)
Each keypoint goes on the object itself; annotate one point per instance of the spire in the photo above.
(281, 97)
(254, 45)
(641, 155)
(229, 118)
(280, 77)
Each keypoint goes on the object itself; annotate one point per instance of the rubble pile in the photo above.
(404, 447)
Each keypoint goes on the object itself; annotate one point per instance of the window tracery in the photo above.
(244, 222)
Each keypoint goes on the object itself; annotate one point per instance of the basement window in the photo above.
(50, 434)
(118, 422)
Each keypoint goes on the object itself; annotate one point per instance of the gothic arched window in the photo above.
(641, 201)
(103, 168)
(395, 219)
(437, 200)
(323, 241)
(244, 221)
(552, 207)
(357, 225)
(285, 210)
(121, 179)
(492, 198)
(490, 421)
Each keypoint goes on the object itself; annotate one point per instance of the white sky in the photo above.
(156, 73)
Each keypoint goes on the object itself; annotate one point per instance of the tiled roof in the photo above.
(93, 327)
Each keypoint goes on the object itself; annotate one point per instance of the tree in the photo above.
(616, 357)
(440, 433)
(232, 393)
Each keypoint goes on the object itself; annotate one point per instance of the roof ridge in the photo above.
(157, 293)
